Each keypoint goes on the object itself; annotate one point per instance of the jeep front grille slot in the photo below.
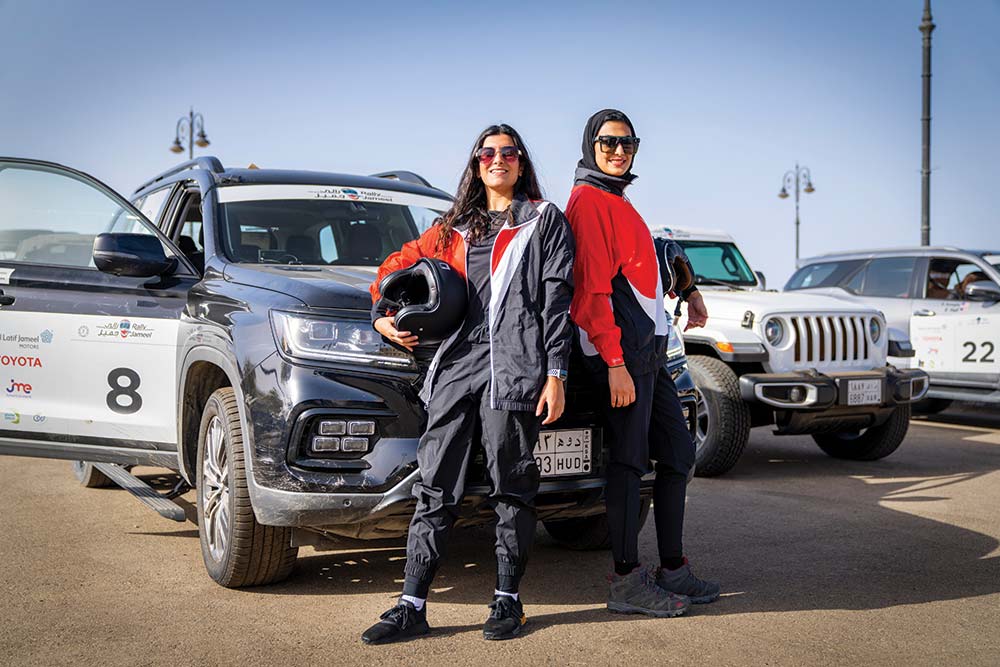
(829, 338)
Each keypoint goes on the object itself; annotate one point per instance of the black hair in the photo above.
(470, 201)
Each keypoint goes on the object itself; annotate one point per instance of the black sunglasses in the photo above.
(610, 143)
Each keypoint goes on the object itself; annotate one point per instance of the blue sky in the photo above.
(726, 96)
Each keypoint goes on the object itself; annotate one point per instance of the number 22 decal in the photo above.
(970, 357)
(128, 391)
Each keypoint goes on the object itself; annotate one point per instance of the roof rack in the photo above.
(207, 162)
(405, 177)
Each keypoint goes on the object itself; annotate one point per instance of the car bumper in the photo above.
(812, 402)
(373, 496)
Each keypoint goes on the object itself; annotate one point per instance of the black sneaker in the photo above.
(506, 618)
(401, 622)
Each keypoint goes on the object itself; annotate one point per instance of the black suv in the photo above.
(218, 325)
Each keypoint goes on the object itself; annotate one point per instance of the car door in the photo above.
(88, 358)
(956, 339)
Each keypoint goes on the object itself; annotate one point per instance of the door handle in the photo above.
(924, 312)
(5, 300)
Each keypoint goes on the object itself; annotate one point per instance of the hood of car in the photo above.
(734, 303)
(315, 286)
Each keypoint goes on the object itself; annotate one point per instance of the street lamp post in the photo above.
(797, 178)
(186, 128)
(926, 27)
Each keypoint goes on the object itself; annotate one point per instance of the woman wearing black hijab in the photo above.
(618, 306)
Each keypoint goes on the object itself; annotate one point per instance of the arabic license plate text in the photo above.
(566, 452)
(864, 392)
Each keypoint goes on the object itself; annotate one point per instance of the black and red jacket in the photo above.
(531, 284)
(618, 301)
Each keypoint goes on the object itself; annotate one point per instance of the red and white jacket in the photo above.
(618, 301)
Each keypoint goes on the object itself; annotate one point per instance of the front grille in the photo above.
(827, 338)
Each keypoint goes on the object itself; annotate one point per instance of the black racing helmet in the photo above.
(430, 299)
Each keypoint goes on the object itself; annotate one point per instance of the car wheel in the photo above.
(870, 444)
(723, 418)
(236, 549)
(89, 476)
(588, 533)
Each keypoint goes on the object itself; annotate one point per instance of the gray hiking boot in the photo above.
(683, 582)
(637, 593)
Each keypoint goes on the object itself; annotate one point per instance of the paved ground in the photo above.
(822, 561)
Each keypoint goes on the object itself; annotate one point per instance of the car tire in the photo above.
(589, 533)
(236, 549)
(871, 444)
(723, 418)
(89, 476)
(931, 406)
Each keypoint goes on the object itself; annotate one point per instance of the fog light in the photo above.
(322, 443)
(796, 394)
(332, 428)
(354, 445)
(361, 428)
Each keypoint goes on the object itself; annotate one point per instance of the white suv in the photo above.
(946, 300)
(808, 364)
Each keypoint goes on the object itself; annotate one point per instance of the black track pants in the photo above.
(458, 414)
(651, 427)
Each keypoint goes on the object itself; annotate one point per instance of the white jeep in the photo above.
(808, 364)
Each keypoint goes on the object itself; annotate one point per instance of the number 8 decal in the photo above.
(128, 390)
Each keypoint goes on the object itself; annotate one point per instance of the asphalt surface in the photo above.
(821, 562)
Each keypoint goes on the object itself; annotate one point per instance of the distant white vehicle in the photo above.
(946, 299)
(808, 364)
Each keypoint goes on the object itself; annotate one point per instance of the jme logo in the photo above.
(19, 389)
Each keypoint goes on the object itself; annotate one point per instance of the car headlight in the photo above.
(774, 331)
(874, 329)
(326, 339)
(675, 344)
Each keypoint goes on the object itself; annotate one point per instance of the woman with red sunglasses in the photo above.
(495, 376)
(618, 306)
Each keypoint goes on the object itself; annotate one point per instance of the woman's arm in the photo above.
(558, 252)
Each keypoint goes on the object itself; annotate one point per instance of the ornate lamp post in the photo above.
(797, 178)
(926, 27)
(186, 128)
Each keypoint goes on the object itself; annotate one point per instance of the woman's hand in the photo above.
(387, 327)
(622, 387)
(697, 312)
(553, 398)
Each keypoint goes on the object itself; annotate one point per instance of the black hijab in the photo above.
(587, 171)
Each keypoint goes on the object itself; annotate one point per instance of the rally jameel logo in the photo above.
(123, 329)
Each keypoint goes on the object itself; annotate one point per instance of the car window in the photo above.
(948, 278)
(51, 216)
(824, 274)
(320, 226)
(718, 261)
(152, 204)
(888, 276)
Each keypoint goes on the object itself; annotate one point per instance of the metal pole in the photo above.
(191, 134)
(796, 215)
(926, 27)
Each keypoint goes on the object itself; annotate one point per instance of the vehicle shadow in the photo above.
(788, 529)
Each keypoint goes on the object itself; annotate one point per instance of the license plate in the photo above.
(864, 392)
(561, 453)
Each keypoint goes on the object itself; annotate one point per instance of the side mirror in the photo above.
(761, 279)
(982, 290)
(135, 255)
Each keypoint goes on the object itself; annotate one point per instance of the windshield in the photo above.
(718, 261)
(994, 261)
(319, 225)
